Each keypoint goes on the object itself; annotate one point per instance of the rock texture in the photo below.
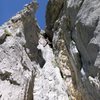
(75, 33)
(49, 84)
(28, 70)
(31, 70)
(18, 54)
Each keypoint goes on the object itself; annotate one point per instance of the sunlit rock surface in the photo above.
(18, 53)
(59, 63)
(49, 84)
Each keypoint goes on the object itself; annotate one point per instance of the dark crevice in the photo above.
(25, 67)
(47, 39)
(51, 18)
(13, 82)
(61, 73)
(81, 4)
(6, 76)
(41, 59)
(0, 95)
(3, 40)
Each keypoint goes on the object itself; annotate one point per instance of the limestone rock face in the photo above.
(31, 70)
(28, 70)
(18, 55)
(75, 33)
(49, 84)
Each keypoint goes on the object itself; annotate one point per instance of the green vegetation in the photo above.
(7, 32)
